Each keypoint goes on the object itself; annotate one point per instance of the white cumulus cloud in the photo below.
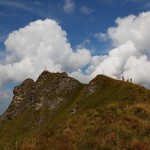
(39, 44)
(131, 53)
(44, 43)
(133, 28)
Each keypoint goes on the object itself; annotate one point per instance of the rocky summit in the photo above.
(50, 89)
(57, 112)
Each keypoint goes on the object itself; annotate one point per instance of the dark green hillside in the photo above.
(58, 113)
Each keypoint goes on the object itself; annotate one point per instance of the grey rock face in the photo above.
(90, 89)
(64, 75)
(49, 89)
(48, 85)
(19, 102)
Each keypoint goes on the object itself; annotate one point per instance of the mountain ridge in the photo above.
(104, 114)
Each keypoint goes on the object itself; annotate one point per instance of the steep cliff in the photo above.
(50, 90)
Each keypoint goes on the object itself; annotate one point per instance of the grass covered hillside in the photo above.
(58, 113)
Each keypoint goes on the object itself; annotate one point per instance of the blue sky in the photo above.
(78, 25)
(86, 24)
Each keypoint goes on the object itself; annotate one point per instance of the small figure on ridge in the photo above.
(122, 78)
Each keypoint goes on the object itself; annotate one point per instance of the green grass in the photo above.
(116, 116)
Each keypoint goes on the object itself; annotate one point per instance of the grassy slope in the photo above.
(32, 121)
(115, 116)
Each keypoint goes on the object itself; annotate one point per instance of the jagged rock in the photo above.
(55, 103)
(64, 75)
(42, 76)
(38, 106)
(44, 91)
(50, 84)
(27, 82)
(91, 87)
(17, 99)
(67, 84)
(20, 99)
(74, 110)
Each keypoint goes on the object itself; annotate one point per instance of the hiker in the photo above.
(131, 80)
(122, 78)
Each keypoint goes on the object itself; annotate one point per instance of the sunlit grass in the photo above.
(115, 117)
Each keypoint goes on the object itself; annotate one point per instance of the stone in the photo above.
(38, 106)
(64, 75)
(44, 92)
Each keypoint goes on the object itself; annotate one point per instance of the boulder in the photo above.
(64, 75)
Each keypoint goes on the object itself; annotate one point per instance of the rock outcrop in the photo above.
(20, 99)
(49, 89)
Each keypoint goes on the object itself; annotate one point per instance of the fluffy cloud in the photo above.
(112, 64)
(44, 43)
(39, 44)
(138, 68)
(68, 6)
(133, 28)
(131, 55)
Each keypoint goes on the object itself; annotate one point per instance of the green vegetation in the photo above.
(105, 114)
